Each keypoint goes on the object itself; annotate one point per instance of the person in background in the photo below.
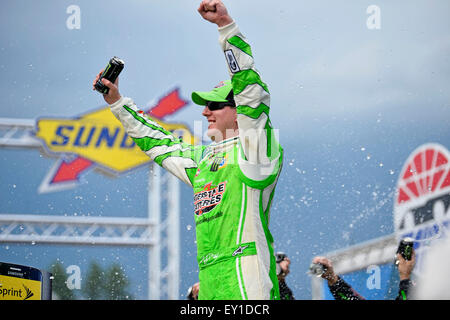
(341, 290)
(192, 293)
(405, 268)
(283, 263)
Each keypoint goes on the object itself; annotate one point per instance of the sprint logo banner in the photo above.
(12, 288)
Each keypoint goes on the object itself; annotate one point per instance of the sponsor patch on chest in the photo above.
(208, 198)
(218, 163)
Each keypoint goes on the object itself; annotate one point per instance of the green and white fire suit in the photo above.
(233, 180)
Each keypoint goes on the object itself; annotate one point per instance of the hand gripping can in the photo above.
(111, 72)
(405, 248)
(317, 269)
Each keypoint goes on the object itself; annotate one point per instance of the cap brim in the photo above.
(201, 98)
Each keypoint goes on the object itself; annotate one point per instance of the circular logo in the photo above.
(422, 202)
(423, 188)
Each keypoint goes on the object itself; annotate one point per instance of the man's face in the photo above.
(285, 265)
(195, 290)
(222, 123)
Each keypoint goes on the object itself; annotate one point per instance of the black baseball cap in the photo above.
(280, 256)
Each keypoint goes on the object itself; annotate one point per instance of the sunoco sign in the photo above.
(97, 140)
(99, 137)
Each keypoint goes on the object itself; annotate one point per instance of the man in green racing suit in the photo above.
(233, 178)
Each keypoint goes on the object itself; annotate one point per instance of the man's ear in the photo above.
(235, 120)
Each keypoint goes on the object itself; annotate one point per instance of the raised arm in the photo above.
(261, 153)
(159, 144)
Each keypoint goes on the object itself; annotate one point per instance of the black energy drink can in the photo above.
(405, 248)
(111, 72)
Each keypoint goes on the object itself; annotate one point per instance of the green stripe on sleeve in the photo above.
(253, 113)
(241, 44)
(147, 143)
(269, 178)
(403, 295)
(244, 78)
(181, 153)
(145, 122)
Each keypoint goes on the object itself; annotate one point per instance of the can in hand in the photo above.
(405, 248)
(317, 269)
(111, 72)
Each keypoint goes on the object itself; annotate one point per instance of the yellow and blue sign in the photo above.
(99, 137)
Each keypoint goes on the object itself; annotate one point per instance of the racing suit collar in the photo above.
(223, 142)
(222, 146)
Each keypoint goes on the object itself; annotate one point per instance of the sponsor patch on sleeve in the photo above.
(232, 62)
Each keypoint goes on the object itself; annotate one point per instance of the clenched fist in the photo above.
(215, 11)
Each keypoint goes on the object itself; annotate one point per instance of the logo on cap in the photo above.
(220, 84)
